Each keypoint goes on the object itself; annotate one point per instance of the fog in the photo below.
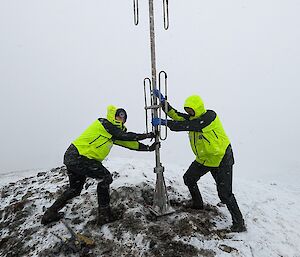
(62, 62)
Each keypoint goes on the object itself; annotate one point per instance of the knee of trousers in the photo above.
(188, 180)
(105, 182)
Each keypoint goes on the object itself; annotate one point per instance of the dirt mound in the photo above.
(135, 231)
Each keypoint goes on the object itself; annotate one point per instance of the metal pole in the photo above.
(154, 81)
(161, 204)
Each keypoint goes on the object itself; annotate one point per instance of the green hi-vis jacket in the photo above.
(97, 140)
(207, 136)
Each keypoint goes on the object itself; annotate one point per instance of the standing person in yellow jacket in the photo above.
(213, 151)
(84, 156)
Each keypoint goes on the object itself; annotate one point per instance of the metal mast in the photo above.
(161, 204)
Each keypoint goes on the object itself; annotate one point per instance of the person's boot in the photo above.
(197, 202)
(238, 227)
(52, 214)
(238, 224)
(104, 215)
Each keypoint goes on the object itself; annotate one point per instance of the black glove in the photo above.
(152, 147)
(150, 135)
(148, 148)
(144, 136)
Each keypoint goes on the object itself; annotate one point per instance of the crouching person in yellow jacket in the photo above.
(84, 156)
(213, 151)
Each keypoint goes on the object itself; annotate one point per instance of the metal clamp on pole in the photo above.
(159, 107)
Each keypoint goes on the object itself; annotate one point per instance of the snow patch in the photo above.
(270, 210)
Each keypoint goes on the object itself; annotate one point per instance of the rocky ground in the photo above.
(135, 231)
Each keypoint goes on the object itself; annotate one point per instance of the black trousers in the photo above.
(77, 180)
(79, 168)
(222, 176)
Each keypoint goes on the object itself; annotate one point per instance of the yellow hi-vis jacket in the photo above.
(206, 134)
(97, 140)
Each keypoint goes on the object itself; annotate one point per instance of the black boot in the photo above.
(52, 214)
(196, 197)
(238, 224)
(104, 211)
(238, 227)
(104, 215)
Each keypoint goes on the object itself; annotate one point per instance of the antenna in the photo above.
(161, 204)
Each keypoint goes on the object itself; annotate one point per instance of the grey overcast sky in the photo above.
(63, 61)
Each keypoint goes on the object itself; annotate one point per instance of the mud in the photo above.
(135, 231)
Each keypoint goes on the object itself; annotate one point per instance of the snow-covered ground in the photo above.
(17, 175)
(270, 209)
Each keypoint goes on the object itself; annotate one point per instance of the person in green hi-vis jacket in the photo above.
(212, 149)
(84, 159)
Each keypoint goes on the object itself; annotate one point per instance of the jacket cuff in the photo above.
(143, 147)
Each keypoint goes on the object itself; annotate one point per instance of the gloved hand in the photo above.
(159, 95)
(150, 135)
(145, 135)
(152, 147)
(156, 121)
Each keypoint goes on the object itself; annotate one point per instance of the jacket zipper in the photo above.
(95, 139)
(216, 134)
(102, 143)
(205, 139)
(195, 144)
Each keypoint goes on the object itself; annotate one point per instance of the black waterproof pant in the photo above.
(79, 168)
(223, 178)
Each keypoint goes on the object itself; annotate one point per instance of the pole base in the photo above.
(158, 213)
(161, 204)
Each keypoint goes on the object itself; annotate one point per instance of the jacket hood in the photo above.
(111, 116)
(196, 103)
